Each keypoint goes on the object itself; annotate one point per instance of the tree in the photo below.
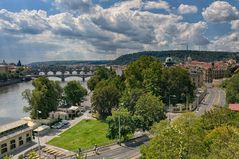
(74, 92)
(150, 108)
(130, 97)
(176, 81)
(7, 157)
(223, 142)
(126, 121)
(100, 74)
(44, 98)
(32, 155)
(144, 73)
(104, 98)
(232, 89)
(182, 138)
(219, 116)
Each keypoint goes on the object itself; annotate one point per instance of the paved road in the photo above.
(126, 151)
(215, 96)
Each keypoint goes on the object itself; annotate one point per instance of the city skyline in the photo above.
(104, 29)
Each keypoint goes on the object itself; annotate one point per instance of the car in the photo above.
(59, 125)
(65, 122)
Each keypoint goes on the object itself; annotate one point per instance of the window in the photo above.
(12, 144)
(20, 141)
(3, 148)
(28, 138)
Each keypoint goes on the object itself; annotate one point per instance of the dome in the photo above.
(189, 59)
(169, 60)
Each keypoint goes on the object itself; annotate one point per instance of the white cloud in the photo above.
(220, 11)
(75, 6)
(94, 35)
(235, 24)
(229, 42)
(187, 9)
(156, 5)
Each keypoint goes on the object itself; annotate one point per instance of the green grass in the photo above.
(83, 135)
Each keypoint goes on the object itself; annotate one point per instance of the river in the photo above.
(12, 103)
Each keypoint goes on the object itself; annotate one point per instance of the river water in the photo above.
(12, 103)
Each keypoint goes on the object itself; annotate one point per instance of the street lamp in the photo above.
(170, 101)
(119, 129)
(38, 139)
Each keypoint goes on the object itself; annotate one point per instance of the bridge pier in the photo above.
(83, 78)
(62, 79)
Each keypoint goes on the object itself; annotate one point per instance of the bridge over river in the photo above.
(63, 75)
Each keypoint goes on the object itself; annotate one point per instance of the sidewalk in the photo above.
(109, 149)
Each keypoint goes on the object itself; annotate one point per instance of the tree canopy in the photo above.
(105, 98)
(74, 92)
(44, 98)
(122, 118)
(100, 74)
(150, 108)
(148, 74)
(232, 89)
(190, 136)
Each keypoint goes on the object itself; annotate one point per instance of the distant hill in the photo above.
(73, 62)
(178, 55)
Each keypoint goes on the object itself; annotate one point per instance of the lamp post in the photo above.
(119, 129)
(38, 139)
(170, 101)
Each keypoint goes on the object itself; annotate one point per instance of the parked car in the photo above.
(58, 125)
(65, 122)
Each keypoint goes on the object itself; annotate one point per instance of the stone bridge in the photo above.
(62, 75)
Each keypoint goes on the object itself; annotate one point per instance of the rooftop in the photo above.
(12, 125)
(234, 107)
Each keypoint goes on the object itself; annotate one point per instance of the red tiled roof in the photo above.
(234, 107)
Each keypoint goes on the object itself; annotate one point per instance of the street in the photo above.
(215, 96)
(128, 149)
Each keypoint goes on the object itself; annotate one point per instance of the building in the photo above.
(169, 62)
(14, 136)
(211, 70)
(196, 75)
(66, 113)
(234, 107)
(3, 69)
(7, 68)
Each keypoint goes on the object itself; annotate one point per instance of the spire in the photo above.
(19, 63)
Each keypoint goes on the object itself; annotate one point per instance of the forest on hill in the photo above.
(178, 55)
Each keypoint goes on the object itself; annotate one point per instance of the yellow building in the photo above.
(3, 69)
(14, 136)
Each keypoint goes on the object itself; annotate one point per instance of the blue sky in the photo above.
(40, 30)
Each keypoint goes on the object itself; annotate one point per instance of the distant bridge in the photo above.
(63, 75)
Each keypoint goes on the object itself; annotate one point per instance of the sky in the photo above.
(45, 30)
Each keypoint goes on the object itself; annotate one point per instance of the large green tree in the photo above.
(104, 98)
(44, 98)
(176, 81)
(219, 116)
(182, 138)
(130, 97)
(74, 92)
(144, 73)
(223, 143)
(122, 118)
(148, 74)
(232, 89)
(150, 108)
(100, 74)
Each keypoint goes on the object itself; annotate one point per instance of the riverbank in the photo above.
(10, 82)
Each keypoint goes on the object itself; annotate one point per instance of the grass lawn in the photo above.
(84, 135)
